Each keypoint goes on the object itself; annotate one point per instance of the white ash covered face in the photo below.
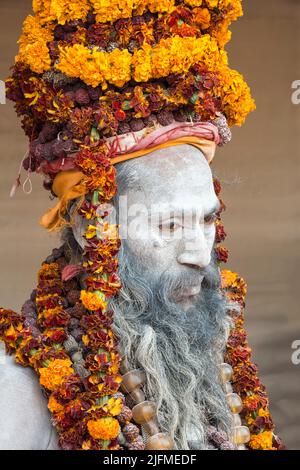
(167, 207)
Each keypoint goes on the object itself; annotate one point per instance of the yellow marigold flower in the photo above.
(55, 374)
(86, 445)
(104, 428)
(249, 419)
(228, 278)
(233, 7)
(236, 97)
(36, 56)
(91, 232)
(61, 10)
(141, 63)
(194, 3)
(96, 67)
(112, 10)
(114, 406)
(212, 3)
(263, 413)
(54, 406)
(222, 34)
(93, 300)
(262, 441)
(12, 332)
(85, 340)
(66, 10)
(119, 71)
(161, 60)
(42, 8)
(33, 32)
(172, 55)
(160, 6)
(73, 59)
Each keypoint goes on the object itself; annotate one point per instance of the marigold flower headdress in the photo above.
(97, 82)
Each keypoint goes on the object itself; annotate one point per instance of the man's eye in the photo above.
(210, 219)
(170, 226)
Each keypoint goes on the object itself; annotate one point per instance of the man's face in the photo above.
(167, 216)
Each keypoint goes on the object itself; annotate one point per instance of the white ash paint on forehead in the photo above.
(179, 170)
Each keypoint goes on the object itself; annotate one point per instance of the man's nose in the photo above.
(194, 249)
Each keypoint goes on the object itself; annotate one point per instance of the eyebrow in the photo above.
(177, 210)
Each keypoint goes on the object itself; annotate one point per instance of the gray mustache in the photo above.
(209, 278)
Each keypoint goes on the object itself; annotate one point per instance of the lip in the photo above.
(193, 290)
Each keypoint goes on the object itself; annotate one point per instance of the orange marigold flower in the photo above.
(54, 406)
(12, 333)
(36, 56)
(228, 278)
(262, 441)
(263, 413)
(104, 428)
(55, 374)
(202, 17)
(49, 271)
(231, 279)
(93, 300)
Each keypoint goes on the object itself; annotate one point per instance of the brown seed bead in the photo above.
(144, 412)
(131, 380)
(131, 432)
(151, 427)
(138, 444)
(241, 435)
(125, 416)
(73, 296)
(226, 372)
(159, 441)
(235, 403)
(137, 395)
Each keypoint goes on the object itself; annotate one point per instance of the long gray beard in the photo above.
(179, 350)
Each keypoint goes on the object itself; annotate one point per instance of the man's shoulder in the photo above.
(24, 417)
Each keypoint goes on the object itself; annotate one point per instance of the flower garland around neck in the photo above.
(255, 414)
(87, 408)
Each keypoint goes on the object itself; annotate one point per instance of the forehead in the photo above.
(175, 178)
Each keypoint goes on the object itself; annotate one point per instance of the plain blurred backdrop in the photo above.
(260, 171)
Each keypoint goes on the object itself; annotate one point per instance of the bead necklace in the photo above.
(241, 434)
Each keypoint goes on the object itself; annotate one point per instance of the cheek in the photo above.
(210, 236)
(152, 251)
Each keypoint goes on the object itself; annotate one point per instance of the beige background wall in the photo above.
(260, 171)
